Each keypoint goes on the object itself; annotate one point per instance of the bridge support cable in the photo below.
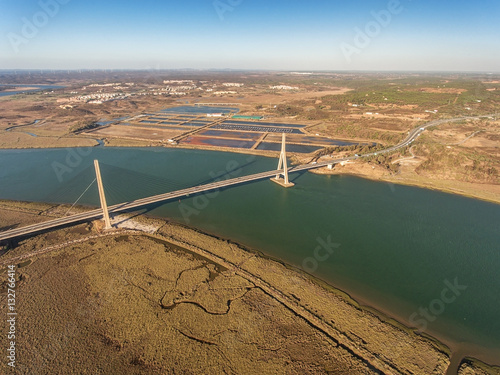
(102, 197)
(124, 184)
(67, 189)
(283, 164)
(80, 197)
(97, 213)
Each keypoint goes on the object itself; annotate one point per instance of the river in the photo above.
(29, 88)
(422, 256)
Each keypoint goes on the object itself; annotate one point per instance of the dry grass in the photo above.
(17, 139)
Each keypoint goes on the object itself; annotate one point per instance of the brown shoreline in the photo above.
(264, 269)
(358, 302)
(19, 88)
(407, 182)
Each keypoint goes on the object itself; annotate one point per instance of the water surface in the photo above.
(396, 247)
(22, 91)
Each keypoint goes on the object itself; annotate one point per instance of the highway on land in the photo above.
(97, 213)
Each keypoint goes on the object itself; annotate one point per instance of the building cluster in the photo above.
(179, 82)
(104, 84)
(161, 93)
(224, 92)
(232, 84)
(170, 90)
(283, 87)
(116, 86)
(179, 88)
(98, 98)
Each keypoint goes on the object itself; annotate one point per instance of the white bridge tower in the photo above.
(102, 197)
(282, 164)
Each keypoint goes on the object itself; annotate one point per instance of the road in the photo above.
(466, 139)
(97, 213)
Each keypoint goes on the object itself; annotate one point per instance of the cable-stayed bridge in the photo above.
(275, 175)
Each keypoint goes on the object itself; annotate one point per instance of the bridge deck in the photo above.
(93, 214)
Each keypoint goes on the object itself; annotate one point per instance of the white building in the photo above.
(283, 87)
(232, 84)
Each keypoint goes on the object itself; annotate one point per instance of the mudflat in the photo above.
(170, 299)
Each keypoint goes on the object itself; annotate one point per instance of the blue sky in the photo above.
(251, 34)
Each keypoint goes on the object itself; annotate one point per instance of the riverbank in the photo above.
(278, 319)
(18, 89)
(485, 192)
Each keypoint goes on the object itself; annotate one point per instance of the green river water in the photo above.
(427, 258)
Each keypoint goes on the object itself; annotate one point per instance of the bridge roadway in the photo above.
(97, 213)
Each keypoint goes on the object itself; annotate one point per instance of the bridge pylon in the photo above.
(282, 167)
(102, 197)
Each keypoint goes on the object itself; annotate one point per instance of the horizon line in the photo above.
(302, 71)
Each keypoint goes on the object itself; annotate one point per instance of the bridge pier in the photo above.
(282, 164)
(102, 197)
